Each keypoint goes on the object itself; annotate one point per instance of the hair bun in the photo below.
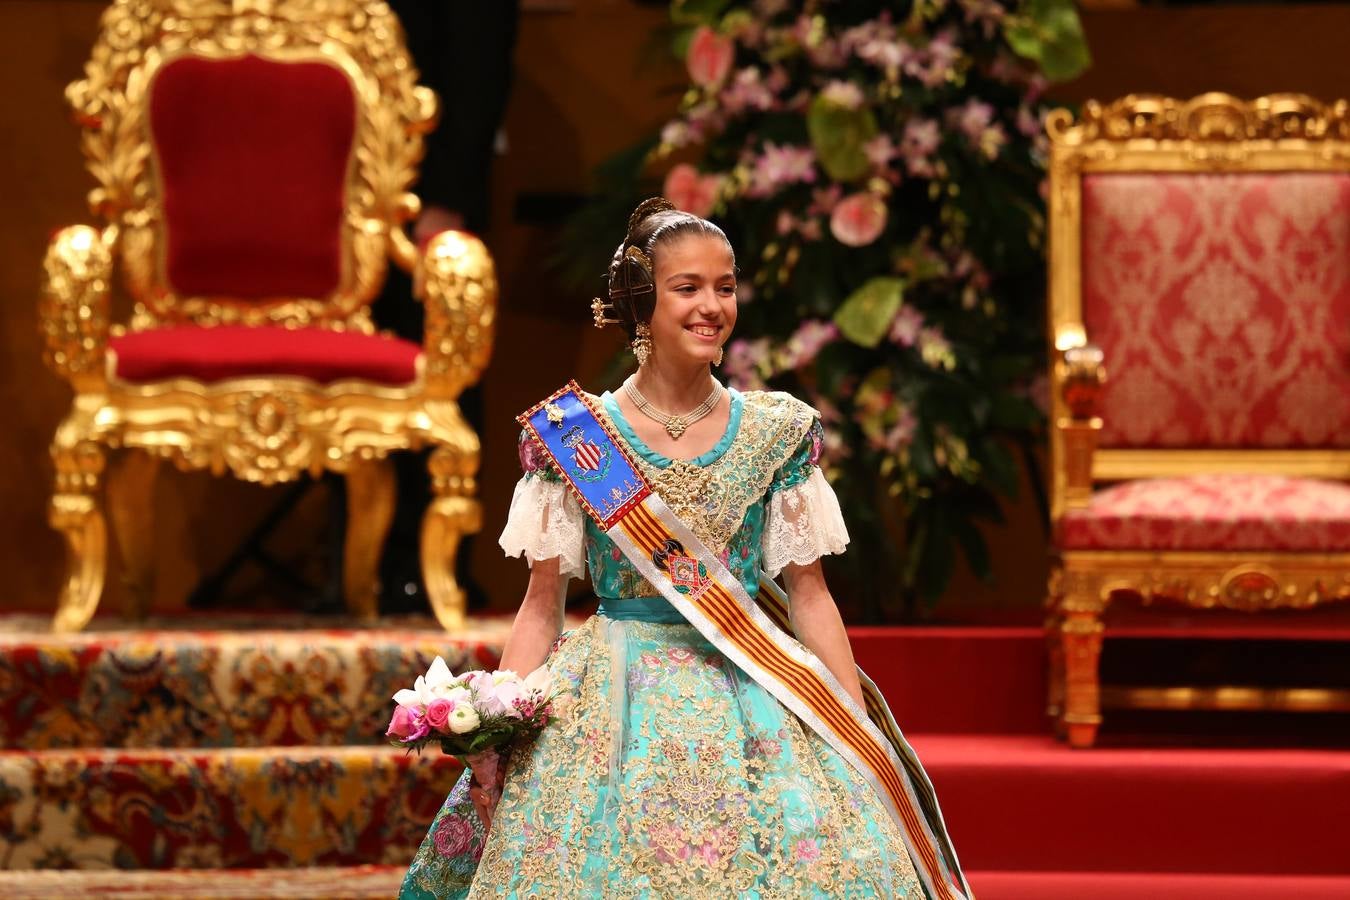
(647, 208)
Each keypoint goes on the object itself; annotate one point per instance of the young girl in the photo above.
(671, 770)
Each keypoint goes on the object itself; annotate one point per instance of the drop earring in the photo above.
(642, 343)
(718, 360)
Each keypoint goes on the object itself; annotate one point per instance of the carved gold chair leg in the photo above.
(1054, 638)
(131, 506)
(453, 513)
(75, 511)
(1081, 633)
(370, 510)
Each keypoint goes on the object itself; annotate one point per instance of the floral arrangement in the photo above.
(878, 166)
(471, 713)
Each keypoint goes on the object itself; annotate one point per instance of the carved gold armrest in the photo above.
(457, 284)
(1082, 376)
(73, 311)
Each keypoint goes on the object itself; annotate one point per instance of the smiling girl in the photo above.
(677, 767)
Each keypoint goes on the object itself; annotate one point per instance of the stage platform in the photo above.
(244, 757)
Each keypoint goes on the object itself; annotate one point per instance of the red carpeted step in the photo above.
(1030, 804)
(1153, 886)
(247, 808)
(349, 883)
(982, 680)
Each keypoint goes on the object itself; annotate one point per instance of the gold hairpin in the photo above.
(601, 311)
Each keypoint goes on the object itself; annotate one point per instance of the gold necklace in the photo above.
(674, 425)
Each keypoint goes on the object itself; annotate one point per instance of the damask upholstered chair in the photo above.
(1200, 255)
(252, 161)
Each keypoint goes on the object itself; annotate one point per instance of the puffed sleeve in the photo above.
(804, 522)
(545, 519)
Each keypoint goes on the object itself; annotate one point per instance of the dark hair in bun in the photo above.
(632, 287)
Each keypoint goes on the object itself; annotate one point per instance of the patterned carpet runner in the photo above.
(216, 757)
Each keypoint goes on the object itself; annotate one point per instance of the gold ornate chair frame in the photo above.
(263, 429)
(1210, 133)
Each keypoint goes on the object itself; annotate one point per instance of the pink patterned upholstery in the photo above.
(1222, 303)
(1214, 512)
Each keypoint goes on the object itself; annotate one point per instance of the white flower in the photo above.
(539, 682)
(463, 718)
(439, 675)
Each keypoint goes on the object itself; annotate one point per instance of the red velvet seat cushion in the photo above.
(1214, 512)
(235, 351)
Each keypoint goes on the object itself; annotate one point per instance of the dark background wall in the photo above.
(588, 83)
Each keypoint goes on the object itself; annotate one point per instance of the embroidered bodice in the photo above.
(757, 498)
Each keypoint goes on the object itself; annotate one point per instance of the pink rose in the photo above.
(453, 836)
(438, 713)
(406, 725)
(710, 57)
(859, 219)
(690, 191)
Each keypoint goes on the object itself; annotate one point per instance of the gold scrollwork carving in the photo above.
(1213, 117)
(77, 275)
(458, 285)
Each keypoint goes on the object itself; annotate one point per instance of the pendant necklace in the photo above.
(674, 425)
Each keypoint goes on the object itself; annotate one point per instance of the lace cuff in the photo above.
(546, 522)
(804, 523)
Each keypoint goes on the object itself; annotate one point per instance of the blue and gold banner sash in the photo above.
(754, 633)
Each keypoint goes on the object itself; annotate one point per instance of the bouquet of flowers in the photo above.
(472, 715)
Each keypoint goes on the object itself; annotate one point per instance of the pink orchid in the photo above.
(710, 57)
(747, 91)
(690, 191)
(744, 361)
(880, 151)
(905, 326)
(918, 143)
(859, 219)
(807, 341)
(781, 165)
(677, 134)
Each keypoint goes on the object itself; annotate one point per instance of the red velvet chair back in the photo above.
(1222, 303)
(253, 158)
(256, 159)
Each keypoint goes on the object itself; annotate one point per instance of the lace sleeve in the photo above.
(546, 522)
(804, 521)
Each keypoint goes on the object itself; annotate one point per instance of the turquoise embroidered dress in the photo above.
(668, 772)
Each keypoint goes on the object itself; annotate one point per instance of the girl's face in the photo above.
(695, 299)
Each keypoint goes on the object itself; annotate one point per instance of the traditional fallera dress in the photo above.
(668, 772)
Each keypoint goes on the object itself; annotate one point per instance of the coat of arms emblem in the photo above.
(590, 460)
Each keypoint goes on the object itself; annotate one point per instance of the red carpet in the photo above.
(1034, 820)
(958, 680)
(1027, 803)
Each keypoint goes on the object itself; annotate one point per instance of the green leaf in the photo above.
(866, 315)
(1050, 33)
(696, 12)
(975, 548)
(838, 135)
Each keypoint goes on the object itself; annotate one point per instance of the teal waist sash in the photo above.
(641, 609)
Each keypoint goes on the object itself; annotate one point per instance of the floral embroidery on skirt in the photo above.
(668, 773)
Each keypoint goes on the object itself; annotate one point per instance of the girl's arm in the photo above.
(538, 621)
(816, 620)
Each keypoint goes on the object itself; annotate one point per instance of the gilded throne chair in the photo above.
(253, 160)
(1200, 373)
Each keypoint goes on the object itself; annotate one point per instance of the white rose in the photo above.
(463, 719)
